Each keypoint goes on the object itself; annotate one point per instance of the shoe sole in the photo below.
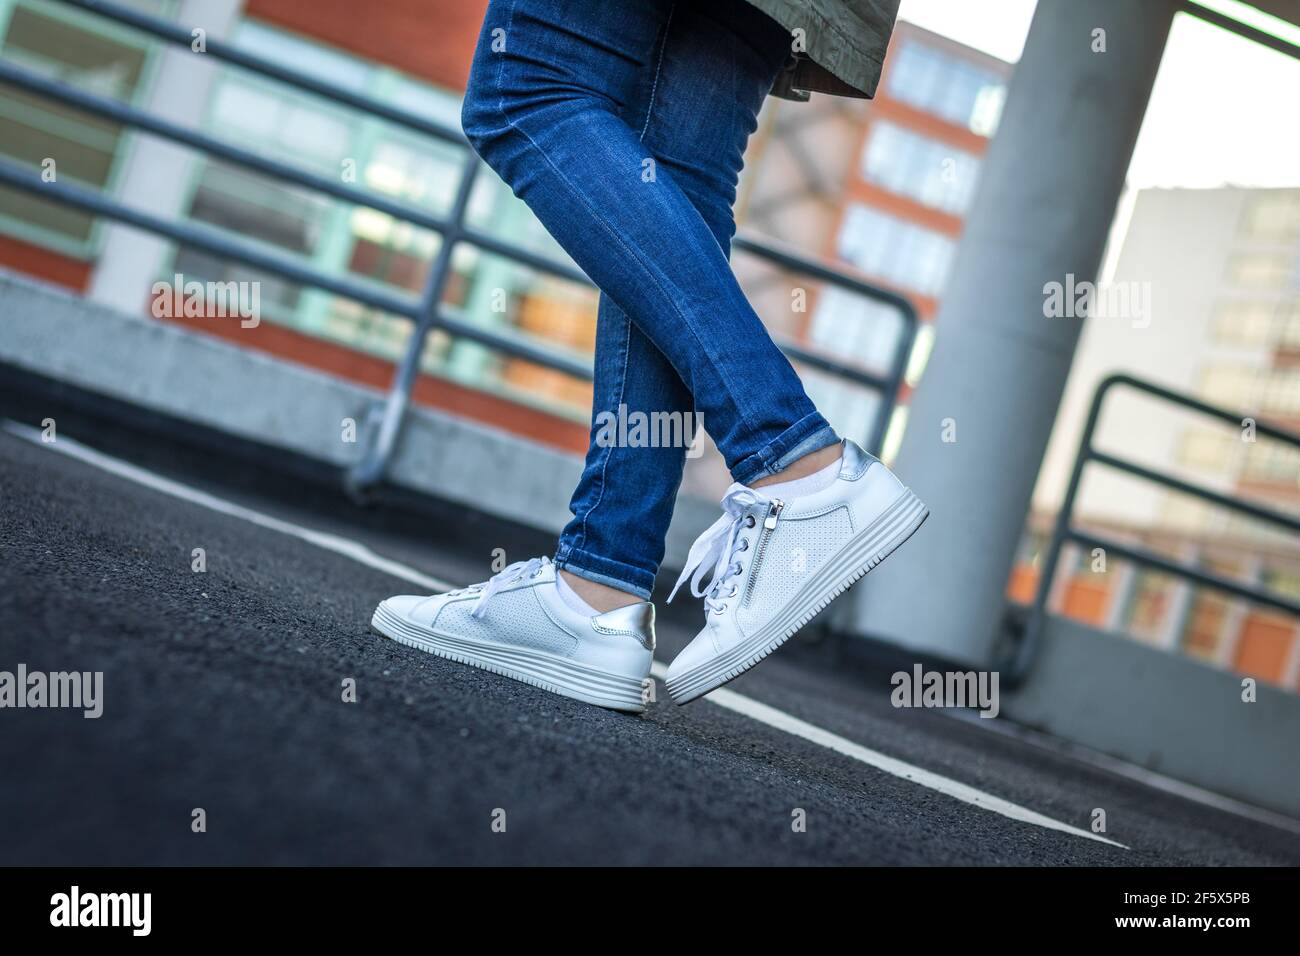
(547, 671)
(862, 553)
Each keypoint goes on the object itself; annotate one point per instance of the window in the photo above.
(280, 123)
(1270, 270)
(951, 87)
(1272, 462)
(856, 329)
(894, 250)
(1232, 386)
(255, 206)
(1151, 602)
(1281, 392)
(1206, 451)
(1281, 580)
(1288, 336)
(276, 120)
(1258, 323)
(1273, 216)
(365, 243)
(1204, 624)
(33, 129)
(1274, 392)
(414, 170)
(425, 100)
(248, 203)
(921, 168)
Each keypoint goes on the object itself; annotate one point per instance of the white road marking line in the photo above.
(330, 542)
(730, 700)
(780, 720)
(1140, 774)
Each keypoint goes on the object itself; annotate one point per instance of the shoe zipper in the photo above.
(769, 525)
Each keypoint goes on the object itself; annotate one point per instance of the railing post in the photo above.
(897, 373)
(1021, 656)
(384, 430)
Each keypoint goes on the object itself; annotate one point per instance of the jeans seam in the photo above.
(613, 234)
(659, 65)
(627, 325)
(609, 450)
(501, 66)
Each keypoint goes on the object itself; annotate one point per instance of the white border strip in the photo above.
(330, 542)
(727, 699)
(892, 765)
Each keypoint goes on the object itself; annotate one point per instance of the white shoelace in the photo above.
(511, 574)
(719, 546)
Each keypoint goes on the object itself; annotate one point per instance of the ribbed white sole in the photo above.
(862, 553)
(559, 675)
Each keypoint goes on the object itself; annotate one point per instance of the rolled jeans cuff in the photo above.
(614, 574)
(811, 433)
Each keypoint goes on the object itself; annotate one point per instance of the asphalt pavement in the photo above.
(223, 692)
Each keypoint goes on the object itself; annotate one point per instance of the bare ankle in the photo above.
(600, 596)
(809, 464)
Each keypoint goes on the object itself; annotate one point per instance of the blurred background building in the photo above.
(879, 186)
(1222, 267)
(390, 56)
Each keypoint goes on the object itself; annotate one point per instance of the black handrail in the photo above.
(1019, 661)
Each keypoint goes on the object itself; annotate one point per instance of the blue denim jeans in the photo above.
(622, 124)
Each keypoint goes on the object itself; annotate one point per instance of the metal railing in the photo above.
(1065, 531)
(427, 312)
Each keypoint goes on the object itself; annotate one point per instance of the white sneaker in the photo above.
(518, 624)
(776, 563)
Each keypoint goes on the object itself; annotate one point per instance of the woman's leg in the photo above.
(622, 125)
(624, 500)
(637, 185)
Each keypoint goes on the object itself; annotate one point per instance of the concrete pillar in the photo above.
(157, 175)
(1043, 208)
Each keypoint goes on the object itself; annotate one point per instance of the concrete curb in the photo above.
(249, 395)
